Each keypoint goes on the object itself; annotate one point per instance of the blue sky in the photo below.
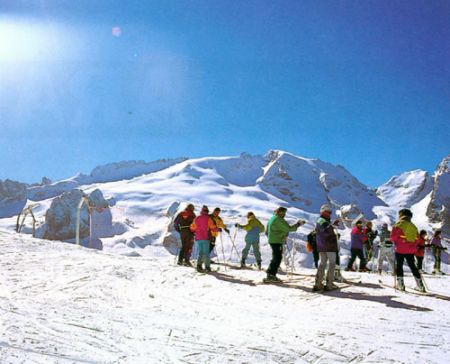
(364, 84)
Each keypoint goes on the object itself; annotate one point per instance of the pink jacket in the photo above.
(202, 226)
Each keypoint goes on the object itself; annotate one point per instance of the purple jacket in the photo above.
(436, 241)
(357, 238)
(325, 236)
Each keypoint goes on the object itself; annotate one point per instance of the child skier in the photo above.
(436, 245)
(386, 249)
(420, 252)
(368, 238)
(356, 248)
(405, 237)
(313, 244)
(254, 227)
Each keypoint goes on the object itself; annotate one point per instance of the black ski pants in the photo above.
(277, 256)
(357, 253)
(316, 258)
(419, 262)
(400, 259)
(212, 243)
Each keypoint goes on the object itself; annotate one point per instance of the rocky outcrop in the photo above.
(13, 197)
(309, 183)
(61, 218)
(439, 208)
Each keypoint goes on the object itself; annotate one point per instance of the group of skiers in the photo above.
(403, 243)
(206, 227)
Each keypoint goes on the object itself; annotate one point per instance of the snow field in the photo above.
(61, 303)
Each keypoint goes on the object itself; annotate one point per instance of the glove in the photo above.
(300, 222)
(228, 231)
(236, 225)
(220, 229)
(336, 222)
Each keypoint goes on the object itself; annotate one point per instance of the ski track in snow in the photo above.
(61, 303)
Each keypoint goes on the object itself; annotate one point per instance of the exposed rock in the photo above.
(439, 208)
(13, 197)
(61, 218)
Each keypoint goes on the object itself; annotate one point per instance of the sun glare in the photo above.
(21, 40)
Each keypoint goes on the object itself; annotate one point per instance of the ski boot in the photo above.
(420, 286)
(259, 265)
(187, 263)
(200, 268)
(400, 284)
(242, 263)
(271, 278)
(318, 288)
(208, 269)
(330, 286)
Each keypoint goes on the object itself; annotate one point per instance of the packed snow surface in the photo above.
(62, 303)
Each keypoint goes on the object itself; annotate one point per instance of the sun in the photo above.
(22, 40)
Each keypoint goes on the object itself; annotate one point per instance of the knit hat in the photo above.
(405, 212)
(205, 209)
(324, 208)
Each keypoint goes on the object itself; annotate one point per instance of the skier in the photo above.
(202, 227)
(436, 245)
(420, 252)
(356, 248)
(386, 249)
(368, 238)
(277, 232)
(405, 237)
(182, 224)
(327, 246)
(253, 227)
(313, 243)
(214, 234)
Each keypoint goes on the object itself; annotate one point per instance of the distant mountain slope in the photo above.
(406, 189)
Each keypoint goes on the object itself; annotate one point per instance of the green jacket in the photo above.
(278, 230)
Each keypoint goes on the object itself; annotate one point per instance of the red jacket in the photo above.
(405, 237)
(420, 252)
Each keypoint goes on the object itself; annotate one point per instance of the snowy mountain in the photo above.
(309, 183)
(406, 189)
(140, 193)
(106, 173)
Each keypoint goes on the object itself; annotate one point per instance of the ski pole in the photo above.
(233, 245)
(223, 252)
(176, 255)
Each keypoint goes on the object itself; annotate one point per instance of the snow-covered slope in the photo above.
(406, 189)
(63, 304)
(106, 173)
